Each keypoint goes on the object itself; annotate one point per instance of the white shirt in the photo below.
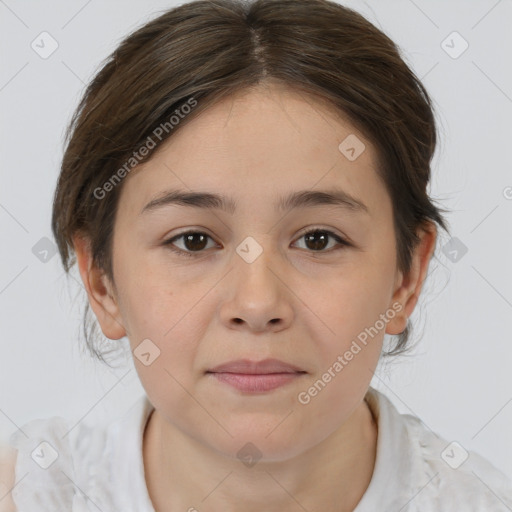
(101, 468)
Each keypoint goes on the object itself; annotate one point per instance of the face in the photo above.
(311, 283)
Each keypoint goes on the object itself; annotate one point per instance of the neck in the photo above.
(183, 474)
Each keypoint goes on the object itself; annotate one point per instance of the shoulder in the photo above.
(53, 458)
(65, 465)
(418, 470)
(451, 476)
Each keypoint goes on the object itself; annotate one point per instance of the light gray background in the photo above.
(458, 381)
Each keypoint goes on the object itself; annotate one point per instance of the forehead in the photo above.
(260, 143)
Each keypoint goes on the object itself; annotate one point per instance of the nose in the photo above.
(256, 296)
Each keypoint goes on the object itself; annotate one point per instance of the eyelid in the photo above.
(330, 231)
(342, 240)
(168, 243)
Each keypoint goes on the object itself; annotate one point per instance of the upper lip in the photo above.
(256, 367)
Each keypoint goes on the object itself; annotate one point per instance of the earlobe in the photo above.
(99, 290)
(408, 287)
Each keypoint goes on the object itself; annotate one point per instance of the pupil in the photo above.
(316, 245)
(189, 241)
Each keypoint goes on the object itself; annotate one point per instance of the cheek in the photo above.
(349, 351)
(170, 319)
(165, 326)
(355, 305)
(356, 298)
(163, 320)
(151, 297)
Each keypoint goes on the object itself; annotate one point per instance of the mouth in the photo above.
(256, 376)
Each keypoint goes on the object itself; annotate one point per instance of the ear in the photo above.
(408, 287)
(100, 291)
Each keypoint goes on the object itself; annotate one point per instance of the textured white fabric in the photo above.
(102, 468)
(410, 475)
(97, 469)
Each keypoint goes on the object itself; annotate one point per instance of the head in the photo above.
(296, 144)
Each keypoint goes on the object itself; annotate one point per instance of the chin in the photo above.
(254, 443)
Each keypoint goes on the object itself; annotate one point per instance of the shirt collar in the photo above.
(389, 486)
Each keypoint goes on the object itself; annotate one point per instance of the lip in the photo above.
(256, 376)
(248, 367)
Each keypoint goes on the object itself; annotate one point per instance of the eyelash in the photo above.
(169, 243)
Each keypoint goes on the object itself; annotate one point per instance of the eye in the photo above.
(317, 240)
(194, 241)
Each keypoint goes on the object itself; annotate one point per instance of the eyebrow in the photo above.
(300, 199)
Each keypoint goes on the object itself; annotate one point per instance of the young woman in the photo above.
(244, 188)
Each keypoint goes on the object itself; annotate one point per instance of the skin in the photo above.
(292, 303)
(7, 477)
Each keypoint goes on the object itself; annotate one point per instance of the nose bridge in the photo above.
(256, 296)
(254, 263)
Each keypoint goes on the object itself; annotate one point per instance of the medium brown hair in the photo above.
(210, 49)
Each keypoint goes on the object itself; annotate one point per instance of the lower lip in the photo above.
(256, 383)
